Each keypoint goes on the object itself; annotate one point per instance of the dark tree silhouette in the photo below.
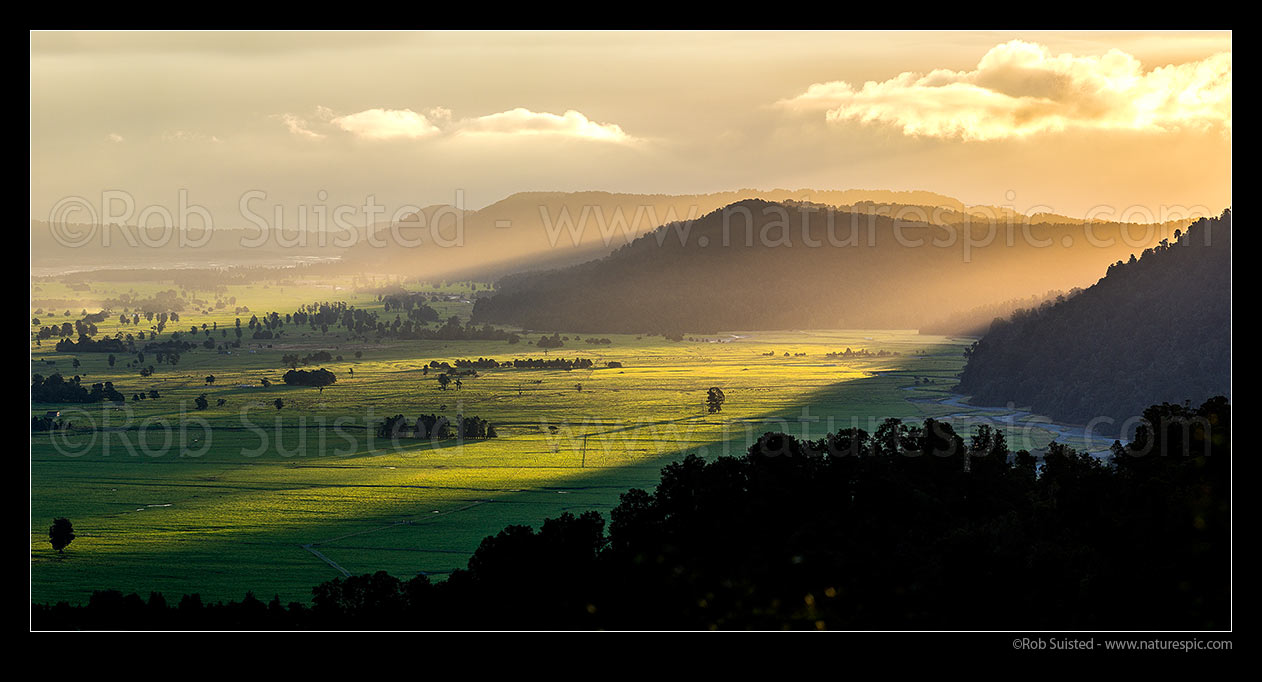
(714, 399)
(316, 377)
(61, 533)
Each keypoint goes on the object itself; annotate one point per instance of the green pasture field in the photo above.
(245, 497)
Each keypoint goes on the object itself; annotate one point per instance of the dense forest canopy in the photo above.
(763, 265)
(1156, 327)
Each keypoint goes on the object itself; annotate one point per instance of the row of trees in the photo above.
(861, 353)
(550, 363)
(46, 423)
(292, 360)
(56, 389)
(85, 327)
(86, 345)
(324, 316)
(162, 305)
(523, 363)
(435, 427)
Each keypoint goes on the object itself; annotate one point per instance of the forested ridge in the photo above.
(766, 265)
(1155, 327)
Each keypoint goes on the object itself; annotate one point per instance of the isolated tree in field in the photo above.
(317, 377)
(265, 382)
(443, 380)
(714, 399)
(210, 380)
(201, 402)
(61, 533)
(111, 359)
(278, 403)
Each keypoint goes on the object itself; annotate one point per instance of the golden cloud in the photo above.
(386, 124)
(1020, 89)
(522, 121)
(298, 126)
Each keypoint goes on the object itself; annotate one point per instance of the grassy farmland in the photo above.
(165, 497)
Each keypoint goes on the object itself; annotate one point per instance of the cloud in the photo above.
(188, 136)
(114, 137)
(440, 115)
(1020, 89)
(386, 124)
(522, 121)
(298, 126)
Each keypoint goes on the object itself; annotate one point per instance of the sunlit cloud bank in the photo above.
(1020, 89)
(525, 122)
(389, 124)
(386, 124)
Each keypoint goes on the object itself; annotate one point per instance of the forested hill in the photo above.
(1155, 328)
(756, 264)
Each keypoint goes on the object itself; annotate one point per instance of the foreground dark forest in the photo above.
(1155, 327)
(908, 527)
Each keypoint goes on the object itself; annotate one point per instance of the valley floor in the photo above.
(245, 497)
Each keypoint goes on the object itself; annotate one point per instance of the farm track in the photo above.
(327, 560)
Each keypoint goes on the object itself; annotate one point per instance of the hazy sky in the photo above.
(1064, 121)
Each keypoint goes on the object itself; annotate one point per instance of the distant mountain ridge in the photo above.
(1155, 328)
(523, 231)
